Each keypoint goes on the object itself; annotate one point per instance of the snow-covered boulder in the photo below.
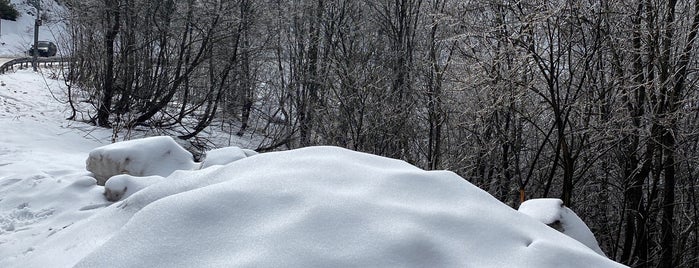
(223, 156)
(313, 207)
(159, 155)
(122, 186)
(553, 213)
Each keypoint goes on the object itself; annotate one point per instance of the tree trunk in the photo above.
(112, 17)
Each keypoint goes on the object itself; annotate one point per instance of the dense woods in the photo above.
(593, 102)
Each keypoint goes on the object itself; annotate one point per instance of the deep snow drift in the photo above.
(314, 207)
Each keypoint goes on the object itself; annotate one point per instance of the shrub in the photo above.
(8, 11)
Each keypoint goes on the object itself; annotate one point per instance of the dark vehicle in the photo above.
(46, 49)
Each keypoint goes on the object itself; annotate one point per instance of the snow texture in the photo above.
(316, 207)
(552, 212)
(123, 186)
(223, 156)
(159, 155)
(44, 187)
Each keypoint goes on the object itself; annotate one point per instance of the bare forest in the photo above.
(593, 102)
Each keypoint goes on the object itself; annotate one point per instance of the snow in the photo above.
(44, 187)
(159, 155)
(317, 206)
(222, 156)
(123, 186)
(552, 212)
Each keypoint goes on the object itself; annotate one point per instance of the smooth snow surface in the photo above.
(552, 212)
(322, 207)
(225, 155)
(159, 155)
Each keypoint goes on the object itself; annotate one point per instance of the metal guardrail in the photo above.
(27, 63)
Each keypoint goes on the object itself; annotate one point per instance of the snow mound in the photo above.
(159, 155)
(552, 212)
(123, 186)
(225, 155)
(313, 207)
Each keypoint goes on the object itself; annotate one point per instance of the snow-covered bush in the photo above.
(142, 157)
(122, 186)
(553, 213)
(225, 155)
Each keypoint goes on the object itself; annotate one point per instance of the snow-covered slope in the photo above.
(317, 207)
(313, 207)
(44, 187)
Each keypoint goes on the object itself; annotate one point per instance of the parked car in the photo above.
(45, 49)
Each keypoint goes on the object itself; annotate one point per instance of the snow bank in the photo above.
(553, 213)
(312, 207)
(225, 155)
(159, 155)
(123, 186)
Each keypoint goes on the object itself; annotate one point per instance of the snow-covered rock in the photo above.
(553, 213)
(223, 156)
(159, 155)
(123, 186)
(312, 207)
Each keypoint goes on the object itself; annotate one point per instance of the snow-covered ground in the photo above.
(312, 207)
(44, 186)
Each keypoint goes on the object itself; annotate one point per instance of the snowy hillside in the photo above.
(312, 207)
(43, 182)
(16, 37)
